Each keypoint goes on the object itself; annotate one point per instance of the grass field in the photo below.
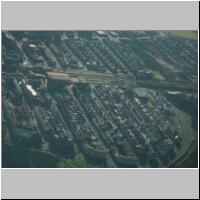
(186, 34)
(19, 157)
(187, 155)
(77, 164)
(158, 76)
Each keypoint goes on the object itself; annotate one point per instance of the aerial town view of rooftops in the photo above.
(99, 99)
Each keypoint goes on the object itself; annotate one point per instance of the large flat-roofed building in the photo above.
(61, 76)
(59, 79)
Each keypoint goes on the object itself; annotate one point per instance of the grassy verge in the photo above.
(186, 34)
(77, 164)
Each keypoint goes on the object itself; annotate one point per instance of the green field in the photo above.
(19, 157)
(186, 34)
(188, 156)
(76, 164)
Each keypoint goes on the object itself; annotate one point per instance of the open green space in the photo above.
(20, 157)
(185, 34)
(76, 164)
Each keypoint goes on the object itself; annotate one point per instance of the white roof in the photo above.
(32, 45)
(101, 32)
(33, 92)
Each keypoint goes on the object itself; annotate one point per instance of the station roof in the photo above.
(61, 76)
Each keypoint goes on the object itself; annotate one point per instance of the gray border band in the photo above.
(97, 15)
(100, 184)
